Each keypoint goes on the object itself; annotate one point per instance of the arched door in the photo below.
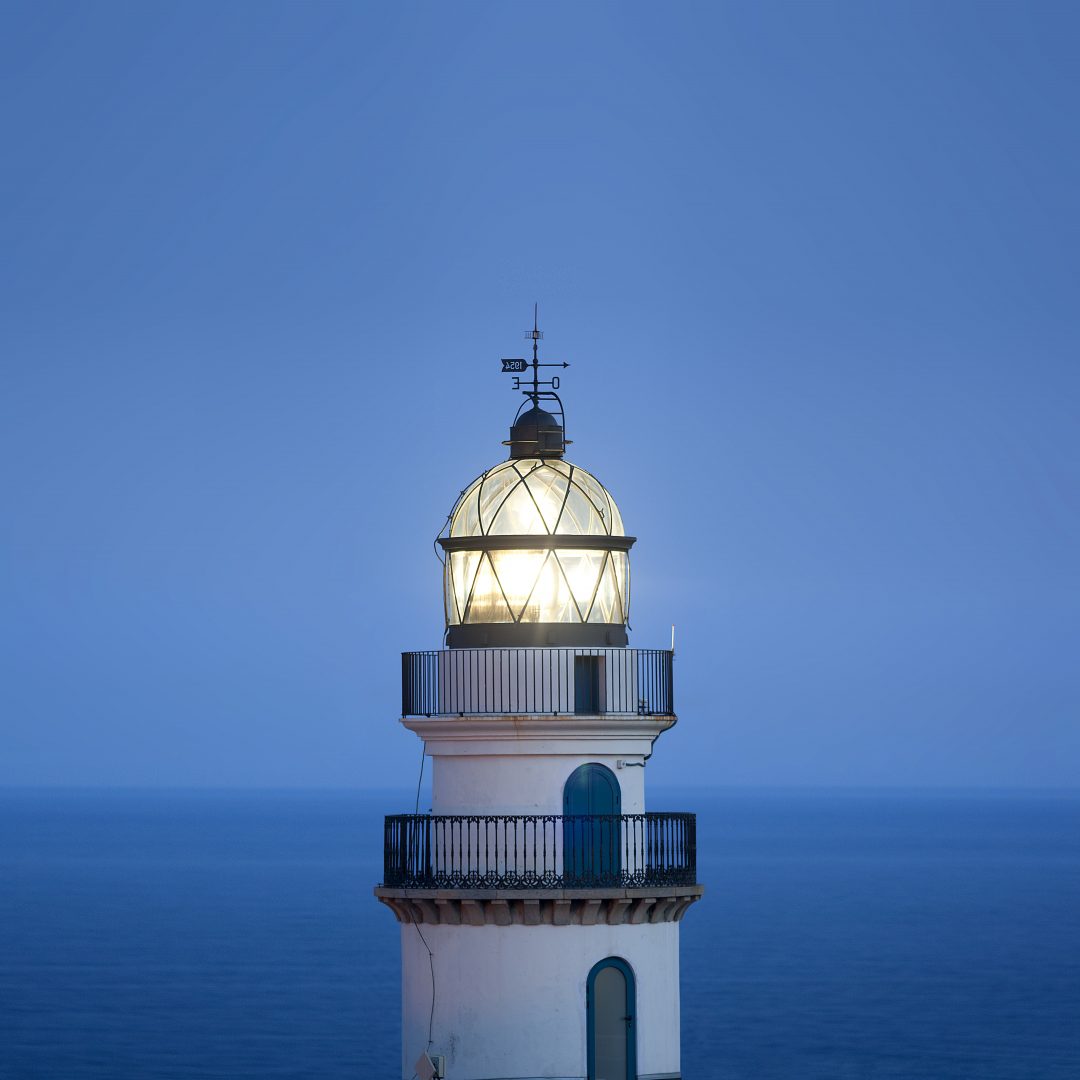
(611, 1019)
(592, 829)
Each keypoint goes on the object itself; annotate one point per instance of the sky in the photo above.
(815, 268)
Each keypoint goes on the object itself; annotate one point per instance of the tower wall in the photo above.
(510, 1000)
(518, 784)
(519, 765)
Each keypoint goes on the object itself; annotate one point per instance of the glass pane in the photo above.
(553, 601)
(465, 521)
(453, 613)
(487, 604)
(610, 1017)
(497, 485)
(462, 567)
(614, 517)
(620, 561)
(518, 515)
(548, 487)
(580, 515)
(582, 569)
(519, 574)
(596, 494)
(605, 606)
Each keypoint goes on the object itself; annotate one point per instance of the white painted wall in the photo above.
(521, 784)
(510, 1000)
(515, 765)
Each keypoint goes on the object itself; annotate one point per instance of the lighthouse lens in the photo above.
(555, 582)
(553, 586)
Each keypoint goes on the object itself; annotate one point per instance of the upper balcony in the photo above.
(537, 681)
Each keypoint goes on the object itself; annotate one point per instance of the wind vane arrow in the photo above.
(516, 365)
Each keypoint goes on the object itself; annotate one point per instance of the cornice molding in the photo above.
(538, 726)
(540, 907)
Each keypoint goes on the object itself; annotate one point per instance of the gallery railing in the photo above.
(503, 682)
(434, 851)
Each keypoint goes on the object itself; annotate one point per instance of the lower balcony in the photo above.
(547, 868)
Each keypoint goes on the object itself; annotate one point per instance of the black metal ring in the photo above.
(562, 541)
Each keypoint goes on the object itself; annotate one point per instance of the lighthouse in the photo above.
(539, 900)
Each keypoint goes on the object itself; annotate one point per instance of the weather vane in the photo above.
(518, 366)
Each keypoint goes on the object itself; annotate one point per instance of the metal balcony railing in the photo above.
(552, 851)
(516, 681)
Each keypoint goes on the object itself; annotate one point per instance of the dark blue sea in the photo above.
(183, 934)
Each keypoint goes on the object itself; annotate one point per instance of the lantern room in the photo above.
(535, 552)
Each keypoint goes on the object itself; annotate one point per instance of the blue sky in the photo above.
(815, 267)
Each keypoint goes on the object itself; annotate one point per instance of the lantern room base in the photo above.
(518, 635)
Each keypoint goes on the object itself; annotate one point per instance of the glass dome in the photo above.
(536, 496)
(537, 542)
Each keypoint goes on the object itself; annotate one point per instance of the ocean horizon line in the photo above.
(883, 790)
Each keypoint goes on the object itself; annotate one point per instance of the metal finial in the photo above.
(518, 366)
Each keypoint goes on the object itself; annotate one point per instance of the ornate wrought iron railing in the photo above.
(506, 682)
(548, 851)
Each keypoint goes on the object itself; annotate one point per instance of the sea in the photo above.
(179, 934)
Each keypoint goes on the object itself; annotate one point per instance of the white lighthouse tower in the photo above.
(540, 901)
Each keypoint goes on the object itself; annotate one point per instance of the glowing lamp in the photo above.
(535, 550)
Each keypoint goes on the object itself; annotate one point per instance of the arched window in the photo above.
(611, 1019)
(592, 827)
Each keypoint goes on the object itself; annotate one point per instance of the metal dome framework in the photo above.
(536, 554)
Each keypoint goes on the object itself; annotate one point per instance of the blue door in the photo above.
(587, 684)
(611, 1020)
(592, 805)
